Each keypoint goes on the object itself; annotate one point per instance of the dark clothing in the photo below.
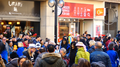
(88, 40)
(73, 53)
(91, 49)
(37, 61)
(2, 47)
(28, 56)
(67, 47)
(19, 40)
(84, 42)
(13, 63)
(51, 60)
(99, 55)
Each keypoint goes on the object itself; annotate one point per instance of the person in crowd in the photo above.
(2, 64)
(19, 39)
(96, 38)
(51, 59)
(115, 41)
(112, 54)
(4, 49)
(1, 36)
(57, 49)
(45, 46)
(99, 55)
(91, 49)
(20, 49)
(25, 43)
(39, 57)
(97, 64)
(70, 38)
(38, 46)
(30, 52)
(37, 40)
(65, 45)
(118, 35)
(88, 39)
(10, 47)
(75, 65)
(27, 63)
(21, 60)
(73, 50)
(16, 62)
(83, 63)
(13, 55)
(14, 40)
(82, 52)
(108, 41)
(84, 36)
(64, 57)
(41, 42)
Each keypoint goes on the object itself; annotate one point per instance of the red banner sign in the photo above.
(75, 10)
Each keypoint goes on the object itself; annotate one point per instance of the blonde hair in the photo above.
(92, 42)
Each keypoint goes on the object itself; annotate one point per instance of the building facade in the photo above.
(38, 17)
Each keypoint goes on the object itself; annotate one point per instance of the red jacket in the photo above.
(106, 44)
(24, 45)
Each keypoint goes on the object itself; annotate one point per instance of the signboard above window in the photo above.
(20, 8)
(76, 10)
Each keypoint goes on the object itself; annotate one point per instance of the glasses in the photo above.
(23, 56)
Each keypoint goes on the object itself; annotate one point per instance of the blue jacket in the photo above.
(4, 55)
(20, 51)
(113, 57)
(34, 41)
(99, 55)
(91, 49)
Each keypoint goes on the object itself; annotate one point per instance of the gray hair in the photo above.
(64, 50)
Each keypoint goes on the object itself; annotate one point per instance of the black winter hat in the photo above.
(25, 39)
(13, 55)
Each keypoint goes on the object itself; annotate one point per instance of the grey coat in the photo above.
(39, 57)
(51, 60)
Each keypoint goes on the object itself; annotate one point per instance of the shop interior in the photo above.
(67, 26)
(17, 27)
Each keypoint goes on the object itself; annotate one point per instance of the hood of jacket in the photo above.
(81, 49)
(40, 55)
(51, 58)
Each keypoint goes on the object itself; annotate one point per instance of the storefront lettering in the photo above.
(15, 4)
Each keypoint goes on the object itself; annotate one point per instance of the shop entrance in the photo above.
(68, 26)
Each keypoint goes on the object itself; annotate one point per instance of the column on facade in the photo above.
(47, 21)
(118, 27)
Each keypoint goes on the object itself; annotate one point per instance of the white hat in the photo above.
(32, 46)
(80, 44)
(38, 45)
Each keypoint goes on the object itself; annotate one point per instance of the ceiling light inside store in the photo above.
(2, 23)
(60, 19)
(18, 23)
(10, 23)
(74, 19)
(64, 19)
(69, 19)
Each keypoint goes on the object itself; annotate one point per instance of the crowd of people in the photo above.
(78, 51)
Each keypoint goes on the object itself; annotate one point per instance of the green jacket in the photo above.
(82, 54)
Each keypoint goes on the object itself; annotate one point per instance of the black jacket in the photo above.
(28, 56)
